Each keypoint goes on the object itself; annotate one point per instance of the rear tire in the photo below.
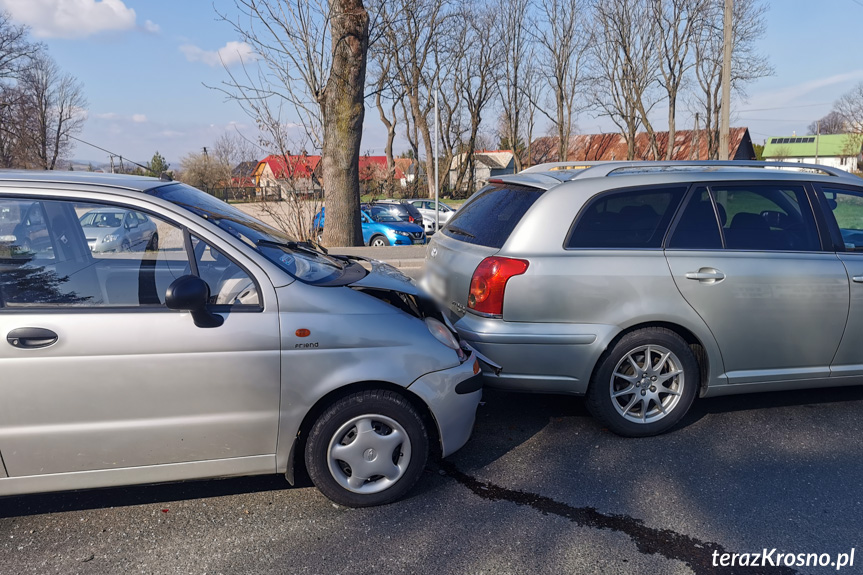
(645, 383)
(368, 448)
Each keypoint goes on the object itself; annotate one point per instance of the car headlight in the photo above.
(442, 334)
(109, 238)
(400, 233)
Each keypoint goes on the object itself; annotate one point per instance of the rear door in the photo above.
(476, 231)
(749, 259)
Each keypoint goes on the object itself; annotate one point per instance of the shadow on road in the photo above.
(23, 505)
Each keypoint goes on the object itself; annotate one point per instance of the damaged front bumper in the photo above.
(452, 396)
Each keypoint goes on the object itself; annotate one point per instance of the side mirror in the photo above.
(190, 293)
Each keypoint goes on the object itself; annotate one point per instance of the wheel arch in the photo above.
(695, 344)
(378, 235)
(296, 464)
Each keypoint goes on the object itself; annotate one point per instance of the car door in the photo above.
(843, 208)
(98, 374)
(749, 259)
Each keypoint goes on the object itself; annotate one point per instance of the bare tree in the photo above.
(511, 28)
(312, 59)
(563, 37)
(834, 122)
(52, 109)
(411, 34)
(748, 26)
(474, 50)
(677, 25)
(532, 91)
(626, 67)
(16, 53)
(387, 89)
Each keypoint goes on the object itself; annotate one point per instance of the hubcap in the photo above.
(369, 453)
(646, 384)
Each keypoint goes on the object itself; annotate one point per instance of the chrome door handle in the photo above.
(706, 275)
(31, 337)
(858, 279)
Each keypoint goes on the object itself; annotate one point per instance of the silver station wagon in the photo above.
(646, 285)
(219, 348)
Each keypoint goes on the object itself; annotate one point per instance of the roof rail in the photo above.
(600, 169)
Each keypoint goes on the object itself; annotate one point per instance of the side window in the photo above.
(85, 255)
(23, 232)
(847, 209)
(229, 283)
(635, 218)
(767, 217)
(697, 228)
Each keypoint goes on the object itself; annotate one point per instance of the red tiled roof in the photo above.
(287, 167)
(375, 167)
(304, 166)
(608, 147)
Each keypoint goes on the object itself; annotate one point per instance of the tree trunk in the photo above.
(343, 110)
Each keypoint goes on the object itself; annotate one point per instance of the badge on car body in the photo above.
(433, 252)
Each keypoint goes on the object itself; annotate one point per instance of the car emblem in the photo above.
(434, 252)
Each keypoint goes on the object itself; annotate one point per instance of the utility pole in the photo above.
(696, 142)
(436, 161)
(817, 137)
(724, 120)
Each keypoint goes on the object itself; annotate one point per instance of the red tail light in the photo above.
(489, 282)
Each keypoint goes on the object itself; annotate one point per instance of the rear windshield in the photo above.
(489, 218)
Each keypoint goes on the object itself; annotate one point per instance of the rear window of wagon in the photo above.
(489, 218)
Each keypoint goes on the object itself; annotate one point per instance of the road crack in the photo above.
(697, 554)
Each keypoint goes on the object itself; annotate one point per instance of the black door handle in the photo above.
(31, 337)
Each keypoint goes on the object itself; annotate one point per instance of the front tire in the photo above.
(645, 383)
(379, 241)
(368, 448)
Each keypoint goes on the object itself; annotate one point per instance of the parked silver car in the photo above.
(644, 285)
(225, 348)
(426, 208)
(116, 230)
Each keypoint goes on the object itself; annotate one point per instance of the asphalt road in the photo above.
(540, 488)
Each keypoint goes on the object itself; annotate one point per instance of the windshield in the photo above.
(300, 260)
(382, 215)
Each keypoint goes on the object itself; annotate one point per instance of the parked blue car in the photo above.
(380, 228)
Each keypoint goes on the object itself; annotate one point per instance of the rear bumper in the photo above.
(540, 357)
(452, 396)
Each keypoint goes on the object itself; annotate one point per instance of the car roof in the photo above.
(117, 182)
(549, 175)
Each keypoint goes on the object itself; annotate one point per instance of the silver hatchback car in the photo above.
(646, 285)
(224, 348)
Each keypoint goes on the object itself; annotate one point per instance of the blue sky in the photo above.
(144, 65)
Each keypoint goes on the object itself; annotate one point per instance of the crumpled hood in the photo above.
(386, 277)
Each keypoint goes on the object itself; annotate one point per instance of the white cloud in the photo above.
(70, 18)
(230, 54)
(139, 118)
(152, 27)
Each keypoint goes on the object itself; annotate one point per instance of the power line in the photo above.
(786, 107)
(109, 152)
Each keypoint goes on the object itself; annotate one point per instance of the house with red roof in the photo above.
(276, 176)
